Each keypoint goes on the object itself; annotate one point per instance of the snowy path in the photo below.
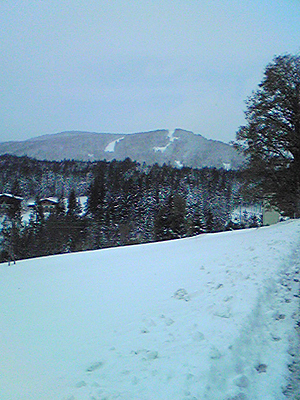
(211, 317)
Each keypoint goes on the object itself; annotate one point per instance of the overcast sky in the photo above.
(130, 66)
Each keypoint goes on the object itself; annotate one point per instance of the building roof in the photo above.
(52, 200)
(10, 196)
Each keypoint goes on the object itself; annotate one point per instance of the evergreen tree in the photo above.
(11, 233)
(96, 196)
(170, 222)
(60, 208)
(74, 208)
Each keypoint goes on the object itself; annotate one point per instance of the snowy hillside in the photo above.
(209, 317)
(160, 146)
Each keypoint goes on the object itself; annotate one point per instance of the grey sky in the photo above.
(130, 66)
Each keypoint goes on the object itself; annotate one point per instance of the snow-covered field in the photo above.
(209, 317)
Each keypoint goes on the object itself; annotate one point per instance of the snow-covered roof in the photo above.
(11, 196)
(53, 200)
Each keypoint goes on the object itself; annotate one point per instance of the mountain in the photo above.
(212, 317)
(179, 148)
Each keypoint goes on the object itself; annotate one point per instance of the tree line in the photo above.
(127, 203)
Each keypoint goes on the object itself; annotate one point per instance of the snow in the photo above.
(171, 138)
(26, 216)
(243, 213)
(178, 164)
(227, 166)
(161, 149)
(82, 202)
(110, 148)
(209, 317)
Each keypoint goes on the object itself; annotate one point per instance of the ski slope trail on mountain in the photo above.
(208, 317)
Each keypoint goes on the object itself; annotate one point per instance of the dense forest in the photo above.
(127, 203)
(34, 178)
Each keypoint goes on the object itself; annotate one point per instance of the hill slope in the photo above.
(178, 148)
(209, 317)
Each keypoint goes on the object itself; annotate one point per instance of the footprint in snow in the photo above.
(241, 381)
(147, 354)
(168, 321)
(223, 312)
(261, 368)
(198, 336)
(93, 367)
(275, 338)
(214, 353)
(239, 396)
(277, 316)
(181, 294)
(152, 355)
(149, 323)
(80, 384)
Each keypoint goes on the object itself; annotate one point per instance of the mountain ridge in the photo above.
(178, 148)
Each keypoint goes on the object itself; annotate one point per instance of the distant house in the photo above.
(9, 202)
(48, 204)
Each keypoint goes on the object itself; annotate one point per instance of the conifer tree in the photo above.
(74, 208)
